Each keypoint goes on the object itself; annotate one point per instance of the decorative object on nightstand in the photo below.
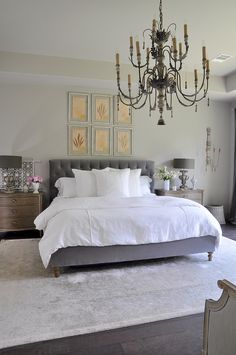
(183, 165)
(193, 182)
(194, 195)
(165, 175)
(10, 162)
(18, 210)
(35, 181)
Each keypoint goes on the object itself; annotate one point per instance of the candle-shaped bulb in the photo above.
(180, 49)
(147, 52)
(204, 53)
(131, 42)
(195, 75)
(174, 45)
(117, 59)
(137, 47)
(207, 65)
(185, 30)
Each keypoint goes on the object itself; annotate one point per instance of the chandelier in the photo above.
(157, 83)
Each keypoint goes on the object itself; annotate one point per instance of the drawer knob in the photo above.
(13, 200)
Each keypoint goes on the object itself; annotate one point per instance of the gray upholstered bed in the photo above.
(80, 255)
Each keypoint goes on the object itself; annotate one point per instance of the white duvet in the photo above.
(102, 221)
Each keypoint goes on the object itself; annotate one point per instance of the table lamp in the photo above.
(10, 162)
(183, 165)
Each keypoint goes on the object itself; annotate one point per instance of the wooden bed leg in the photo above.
(56, 271)
(210, 255)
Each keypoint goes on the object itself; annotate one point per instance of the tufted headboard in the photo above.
(63, 167)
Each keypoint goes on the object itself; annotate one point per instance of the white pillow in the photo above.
(134, 181)
(112, 183)
(145, 185)
(85, 183)
(66, 187)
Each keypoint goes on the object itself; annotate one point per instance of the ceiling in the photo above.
(97, 29)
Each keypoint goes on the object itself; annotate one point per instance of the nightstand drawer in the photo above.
(12, 224)
(18, 201)
(19, 211)
(194, 195)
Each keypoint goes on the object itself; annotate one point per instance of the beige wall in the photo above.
(33, 118)
(33, 123)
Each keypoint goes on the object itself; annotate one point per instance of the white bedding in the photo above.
(102, 221)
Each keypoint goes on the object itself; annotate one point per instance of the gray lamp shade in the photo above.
(10, 161)
(183, 163)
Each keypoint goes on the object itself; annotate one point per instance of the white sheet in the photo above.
(101, 221)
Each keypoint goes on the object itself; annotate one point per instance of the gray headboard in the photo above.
(63, 167)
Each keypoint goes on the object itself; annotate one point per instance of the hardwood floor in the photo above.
(169, 337)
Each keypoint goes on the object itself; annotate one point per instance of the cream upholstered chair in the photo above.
(219, 334)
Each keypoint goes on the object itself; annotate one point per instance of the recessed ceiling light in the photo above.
(221, 58)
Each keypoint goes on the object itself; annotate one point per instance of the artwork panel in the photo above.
(101, 141)
(78, 107)
(123, 142)
(124, 114)
(102, 109)
(79, 140)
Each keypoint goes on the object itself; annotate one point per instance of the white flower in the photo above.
(165, 174)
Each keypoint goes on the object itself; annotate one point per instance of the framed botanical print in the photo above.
(102, 109)
(123, 116)
(123, 141)
(101, 140)
(78, 107)
(78, 140)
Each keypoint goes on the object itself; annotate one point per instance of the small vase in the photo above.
(166, 185)
(35, 187)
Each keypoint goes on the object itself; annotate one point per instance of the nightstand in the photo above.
(194, 195)
(18, 210)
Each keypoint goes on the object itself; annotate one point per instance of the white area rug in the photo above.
(34, 306)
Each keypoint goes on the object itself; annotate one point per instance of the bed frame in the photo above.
(80, 255)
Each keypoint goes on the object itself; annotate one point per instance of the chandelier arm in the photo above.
(175, 60)
(193, 99)
(134, 105)
(191, 102)
(179, 86)
(146, 30)
(190, 98)
(172, 24)
(137, 66)
(131, 103)
(125, 95)
(182, 102)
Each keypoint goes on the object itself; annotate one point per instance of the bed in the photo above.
(90, 255)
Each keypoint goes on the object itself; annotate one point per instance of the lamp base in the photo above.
(183, 177)
(10, 183)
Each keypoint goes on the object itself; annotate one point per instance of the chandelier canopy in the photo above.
(157, 83)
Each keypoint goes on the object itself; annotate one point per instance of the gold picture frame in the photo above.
(102, 112)
(101, 140)
(79, 140)
(123, 141)
(78, 107)
(123, 116)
